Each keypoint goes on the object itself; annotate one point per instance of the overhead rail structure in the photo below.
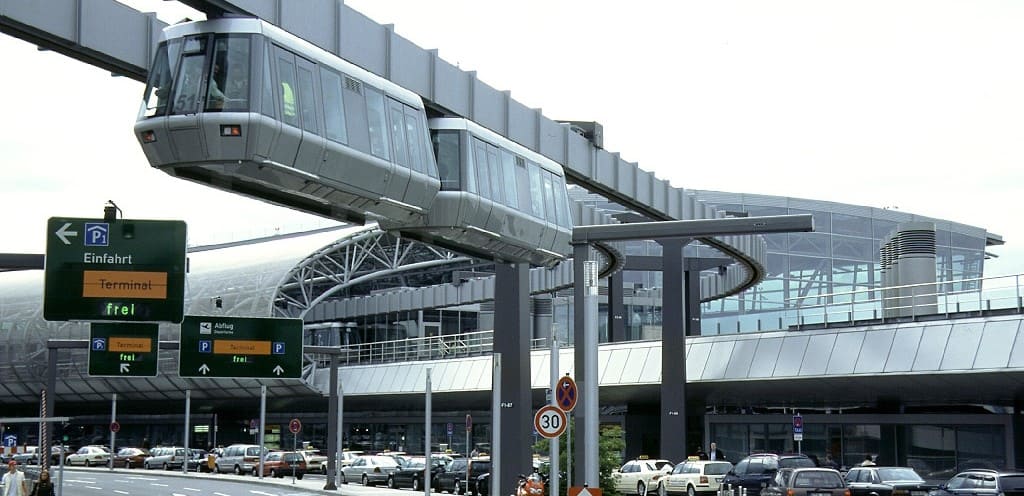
(81, 30)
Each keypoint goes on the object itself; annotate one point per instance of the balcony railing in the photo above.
(873, 306)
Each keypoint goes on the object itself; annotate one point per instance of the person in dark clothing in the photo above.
(715, 454)
(44, 486)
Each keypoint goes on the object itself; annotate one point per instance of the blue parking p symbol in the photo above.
(97, 234)
(277, 348)
(205, 346)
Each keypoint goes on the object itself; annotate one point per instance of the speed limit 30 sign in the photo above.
(549, 421)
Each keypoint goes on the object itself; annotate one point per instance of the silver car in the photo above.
(369, 469)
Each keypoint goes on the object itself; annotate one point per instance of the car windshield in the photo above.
(899, 474)
(661, 464)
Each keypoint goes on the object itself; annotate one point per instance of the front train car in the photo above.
(243, 106)
(498, 200)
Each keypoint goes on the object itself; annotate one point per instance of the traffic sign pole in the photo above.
(554, 445)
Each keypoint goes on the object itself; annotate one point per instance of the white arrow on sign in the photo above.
(124, 368)
(63, 233)
(204, 369)
(278, 370)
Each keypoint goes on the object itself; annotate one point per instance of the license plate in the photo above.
(819, 494)
(918, 493)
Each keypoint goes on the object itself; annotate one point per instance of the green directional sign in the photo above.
(119, 270)
(240, 347)
(123, 349)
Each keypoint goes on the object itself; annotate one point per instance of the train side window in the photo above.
(562, 202)
(307, 98)
(549, 199)
(495, 165)
(413, 136)
(536, 191)
(334, 110)
(483, 172)
(508, 178)
(267, 103)
(158, 88)
(449, 157)
(523, 186)
(189, 82)
(228, 83)
(377, 120)
(289, 89)
(398, 133)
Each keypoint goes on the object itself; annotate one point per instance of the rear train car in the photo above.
(243, 106)
(498, 199)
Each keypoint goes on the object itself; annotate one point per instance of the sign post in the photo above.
(469, 428)
(798, 431)
(240, 347)
(116, 270)
(295, 426)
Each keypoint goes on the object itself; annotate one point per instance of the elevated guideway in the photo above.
(81, 30)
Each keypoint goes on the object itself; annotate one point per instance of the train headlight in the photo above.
(149, 136)
(230, 130)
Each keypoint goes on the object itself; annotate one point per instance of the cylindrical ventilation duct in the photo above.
(910, 272)
(542, 318)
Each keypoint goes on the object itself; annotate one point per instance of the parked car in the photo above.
(694, 477)
(315, 461)
(239, 458)
(369, 469)
(982, 482)
(130, 457)
(640, 476)
(198, 461)
(347, 457)
(886, 481)
(449, 478)
(412, 474)
(474, 469)
(757, 470)
(166, 458)
(281, 463)
(806, 482)
(89, 456)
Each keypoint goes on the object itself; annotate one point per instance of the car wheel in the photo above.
(323, 469)
(641, 488)
(415, 484)
(690, 491)
(299, 475)
(238, 470)
(67, 461)
(127, 464)
(273, 473)
(661, 489)
(458, 487)
(88, 463)
(391, 483)
(343, 479)
(366, 480)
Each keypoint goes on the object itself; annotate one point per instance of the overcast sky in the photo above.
(910, 105)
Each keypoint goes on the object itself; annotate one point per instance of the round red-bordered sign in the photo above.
(115, 427)
(550, 421)
(295, 426)
(566, 393)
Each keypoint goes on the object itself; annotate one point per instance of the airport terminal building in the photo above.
(935, 388)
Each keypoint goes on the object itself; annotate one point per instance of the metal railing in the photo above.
(960, 298)
(871, 306)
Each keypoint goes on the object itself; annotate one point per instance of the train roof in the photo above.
(252, 25)
(497, 140)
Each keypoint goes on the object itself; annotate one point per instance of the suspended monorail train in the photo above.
(243, 106)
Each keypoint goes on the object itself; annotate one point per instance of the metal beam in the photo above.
(693, 228)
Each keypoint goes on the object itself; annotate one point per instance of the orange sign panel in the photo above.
(140, 345)
(240, 347)
(124, 284)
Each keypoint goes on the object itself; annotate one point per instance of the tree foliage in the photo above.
(611, 444)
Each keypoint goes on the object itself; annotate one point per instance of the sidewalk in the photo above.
(311, 484)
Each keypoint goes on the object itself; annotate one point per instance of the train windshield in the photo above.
(194, 74)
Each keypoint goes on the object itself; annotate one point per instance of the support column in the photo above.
(333, 450)
(585, 433)
(691, 301)
(51, 395)
(673, 352)
(512, 341)
(616, 309)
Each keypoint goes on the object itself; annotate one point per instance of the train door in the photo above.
(187, 100)
(311, 148)
(286, 145)
(399, 184)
